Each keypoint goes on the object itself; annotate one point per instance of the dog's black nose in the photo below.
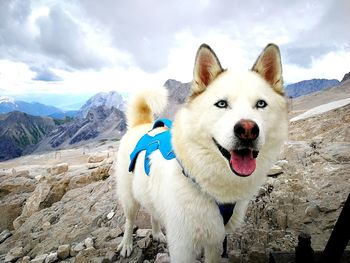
(246, 130)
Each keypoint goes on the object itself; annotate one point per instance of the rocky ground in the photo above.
(61, 206)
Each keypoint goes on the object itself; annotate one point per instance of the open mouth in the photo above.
(241, 161)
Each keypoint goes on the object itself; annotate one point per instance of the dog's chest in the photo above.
(208, 226)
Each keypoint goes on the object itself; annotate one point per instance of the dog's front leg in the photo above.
(213, 253)
(157, 233)
(181, 247)
(237, 216)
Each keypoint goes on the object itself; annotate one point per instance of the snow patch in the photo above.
(321, 109)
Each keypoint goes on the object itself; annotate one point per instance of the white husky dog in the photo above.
(225, 138)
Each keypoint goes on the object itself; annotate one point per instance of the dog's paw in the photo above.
(159, 237)
(125, 248)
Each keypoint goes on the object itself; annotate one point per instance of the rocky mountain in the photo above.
(178, 93)
(346, 77)
(106, 99)
(8, 104)
(100, 122)
(19, 132)
(308, 86)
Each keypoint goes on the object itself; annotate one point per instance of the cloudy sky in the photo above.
(65, 51)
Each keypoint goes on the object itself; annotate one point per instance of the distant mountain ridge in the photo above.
(8, 104)
(309, 86)
(106, 99)
(19, 132)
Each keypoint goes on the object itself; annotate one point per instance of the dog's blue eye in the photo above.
(221, 104)
(261, 104)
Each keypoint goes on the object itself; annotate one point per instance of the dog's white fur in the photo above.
(188, 210)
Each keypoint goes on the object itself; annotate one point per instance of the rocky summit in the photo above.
(62, 206)
(100, 123)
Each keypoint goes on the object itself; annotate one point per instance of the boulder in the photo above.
(275, 170)
(144, 242)
(11, 208)
(63, 251)
(58, 169)
(37, 197)
(13, 184)
(85, 178)
(32, 204)
(74, 250)
(52, 257)
(97, 157)
(89, 242)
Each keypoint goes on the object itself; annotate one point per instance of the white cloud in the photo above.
(333, 65)
(90, 46)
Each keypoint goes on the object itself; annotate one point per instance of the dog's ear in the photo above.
(206, 68)
(269, 66)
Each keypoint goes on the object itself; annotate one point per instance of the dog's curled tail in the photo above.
(145, 104)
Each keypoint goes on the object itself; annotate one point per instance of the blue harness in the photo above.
(162, 142)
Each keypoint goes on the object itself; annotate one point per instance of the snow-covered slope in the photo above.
(321, 109)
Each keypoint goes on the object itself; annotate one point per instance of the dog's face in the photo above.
(236, 116)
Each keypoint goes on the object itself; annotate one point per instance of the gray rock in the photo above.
(58, 169)
(46, 226)
(97, 157)
(110, 215)
(87, 255)
(63, 251)
(25, 259)
(144, 242)
(39, 259)
(275, 170)
(312, 211)
(162, 258)
(76, 249)
(116, 232)
(4, 235)
(52, 257)
(14, 254)
(143, 232)
(89, 242)
(33, 203)
(110, 257)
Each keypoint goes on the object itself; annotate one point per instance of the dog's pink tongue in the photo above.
(243, 164)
